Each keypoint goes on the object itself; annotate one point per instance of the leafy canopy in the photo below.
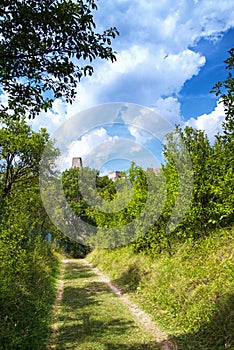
(225, 89)
(40, 45)
(21, 150)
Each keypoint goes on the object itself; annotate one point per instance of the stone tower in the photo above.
(77, 162)
(114, 175)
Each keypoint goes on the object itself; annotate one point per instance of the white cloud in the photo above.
(127, 61)
(136, 148)
(169, 108)
(3, 99)
(172, 24)
(139, 135)
(86, 145)
(93, 90)
(140, 75)
(51, 119)
(82, 147)
(155, 56)
(104, 171)
(210, 123)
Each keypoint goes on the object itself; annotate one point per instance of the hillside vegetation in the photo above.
(189, 293)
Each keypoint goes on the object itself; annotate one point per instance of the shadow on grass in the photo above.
(89, 330)
(82, 324)
(89, 320)
(146, 346)
(76, 272)
(81, 297)
(218, 334)
(129, 280)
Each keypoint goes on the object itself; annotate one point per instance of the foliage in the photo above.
(211, 202)
(225, 90)
(70, 248)
(28, 272)
(28, 265)
(198, 215)
(128, 199)
(149, 201)
(76, 185)
(224, 146)
(40, 45)
(21, 150)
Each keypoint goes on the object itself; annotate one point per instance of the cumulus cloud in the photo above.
(112, 131)
(140, 136)
(154, 57)
(51, 119)
(3, 98)
(169, 108)
(140, 75)
(210, 123)
(85, 147)
(172, 24)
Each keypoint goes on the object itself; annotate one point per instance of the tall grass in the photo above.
(27, 296)
(189, 294)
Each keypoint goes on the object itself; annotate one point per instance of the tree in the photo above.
(27, 265)
(21, 151)
(73, 185)
(222, 184)
(40, 44)
(27, 262)
(225, 90)
(198, 216)
(223, 188)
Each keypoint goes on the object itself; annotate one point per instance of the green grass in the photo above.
(92, 317)
(189, 294)
(27, 300)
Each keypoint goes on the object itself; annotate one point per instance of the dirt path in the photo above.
(144, 318)
(92, 314)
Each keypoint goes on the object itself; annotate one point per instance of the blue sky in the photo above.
(169, 55)
(195, 97)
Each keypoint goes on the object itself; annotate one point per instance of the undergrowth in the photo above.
(27, 297)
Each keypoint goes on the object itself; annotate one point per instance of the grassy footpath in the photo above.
(91, 317)
(190, 294)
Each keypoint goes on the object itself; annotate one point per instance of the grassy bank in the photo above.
(189, 294)
(27, 297)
